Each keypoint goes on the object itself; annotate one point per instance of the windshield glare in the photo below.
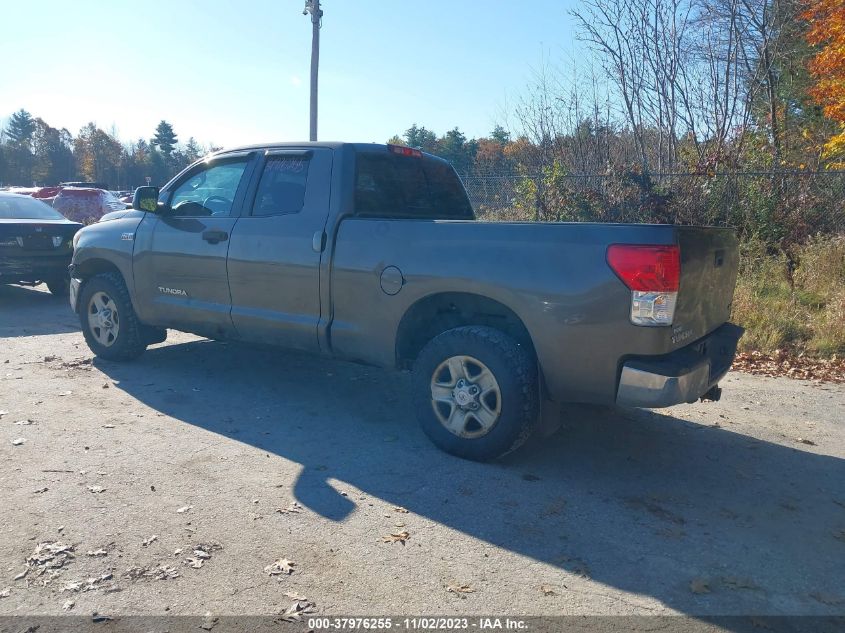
(14, 207)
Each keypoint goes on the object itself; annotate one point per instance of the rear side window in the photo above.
(281, 190)
(389, 185)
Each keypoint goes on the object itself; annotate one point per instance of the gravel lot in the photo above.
(185, 457)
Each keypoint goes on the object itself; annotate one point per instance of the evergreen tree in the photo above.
(21, 127)
(422, 138)
(165, 138)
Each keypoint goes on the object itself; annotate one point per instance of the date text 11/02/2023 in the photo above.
(417, 623)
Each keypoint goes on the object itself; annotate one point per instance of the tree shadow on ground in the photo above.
(706, 520)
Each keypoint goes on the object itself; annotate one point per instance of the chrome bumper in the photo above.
(638, 388)
(681, 376)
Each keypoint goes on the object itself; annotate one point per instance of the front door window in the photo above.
(210, 191)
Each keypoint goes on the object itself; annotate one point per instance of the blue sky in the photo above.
(236, 72)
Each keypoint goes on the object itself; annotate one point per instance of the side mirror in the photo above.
(146, 199)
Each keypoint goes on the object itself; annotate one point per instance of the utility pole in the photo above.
(313, 7)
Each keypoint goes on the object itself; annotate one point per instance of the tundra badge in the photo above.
(172, 291)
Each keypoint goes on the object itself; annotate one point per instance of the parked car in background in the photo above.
(86, 205)
(35, 242)
(87, 184)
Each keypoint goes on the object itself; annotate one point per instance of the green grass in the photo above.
(808, 317)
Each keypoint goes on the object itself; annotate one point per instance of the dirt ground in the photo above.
(173, 484)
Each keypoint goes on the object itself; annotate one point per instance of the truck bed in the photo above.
(554, 276)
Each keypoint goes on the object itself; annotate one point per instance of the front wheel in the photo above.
(476, 392)
(109, 323)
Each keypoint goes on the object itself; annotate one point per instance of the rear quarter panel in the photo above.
(552, 275)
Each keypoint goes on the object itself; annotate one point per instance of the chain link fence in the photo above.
(774, 206)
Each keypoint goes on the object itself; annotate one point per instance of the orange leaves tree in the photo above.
(826, 20)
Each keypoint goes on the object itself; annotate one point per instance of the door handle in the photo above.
(213, 236)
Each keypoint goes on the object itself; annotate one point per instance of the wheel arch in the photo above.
(88, 268)
(93, 266)
(439, 312)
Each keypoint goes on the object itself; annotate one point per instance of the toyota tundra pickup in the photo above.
(372, 253)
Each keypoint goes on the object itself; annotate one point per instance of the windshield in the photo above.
(13, 207)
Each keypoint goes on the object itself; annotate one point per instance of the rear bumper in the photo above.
(681, 376)
(34, 268)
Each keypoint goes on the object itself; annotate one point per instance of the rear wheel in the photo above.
(476, 392)
(109, 323)
(59, 286)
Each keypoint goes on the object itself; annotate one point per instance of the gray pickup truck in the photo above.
(371, 253)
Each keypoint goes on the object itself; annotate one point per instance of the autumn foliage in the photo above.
(826, 31)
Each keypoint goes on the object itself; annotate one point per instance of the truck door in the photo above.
(180, 256)
(275, 249)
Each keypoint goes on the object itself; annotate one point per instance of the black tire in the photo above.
(129, 343)
(58, 286)
(515, 371)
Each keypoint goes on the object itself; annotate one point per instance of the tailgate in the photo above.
(709, 263)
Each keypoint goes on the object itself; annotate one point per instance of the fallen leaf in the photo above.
(162, 572)
(96, 489)
(22, 574)
(803, 440)
(456, 588)
(209, 622)
(781, 363)
(26, 422)
(108, 426)
(184, 509)
(5, 592)
(828, 598)
(293, 595)
(40, 490)
(396, 537)
(732, 582)
(152, 539)
(547, 590)
(2, 413)
(49, 555)
(196, 563)
(295, 611)
(68, 605)
(400, 510)
(291, 508)
(283, 566)
(18, 441)
(99, 552)
(699, 585)
(66, 393)
(91, 584)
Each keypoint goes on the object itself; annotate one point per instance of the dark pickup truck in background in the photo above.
(371, 253)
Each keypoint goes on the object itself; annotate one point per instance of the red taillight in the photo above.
(405, 151)
(646, 268)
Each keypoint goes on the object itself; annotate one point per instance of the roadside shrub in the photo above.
(803, 314)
